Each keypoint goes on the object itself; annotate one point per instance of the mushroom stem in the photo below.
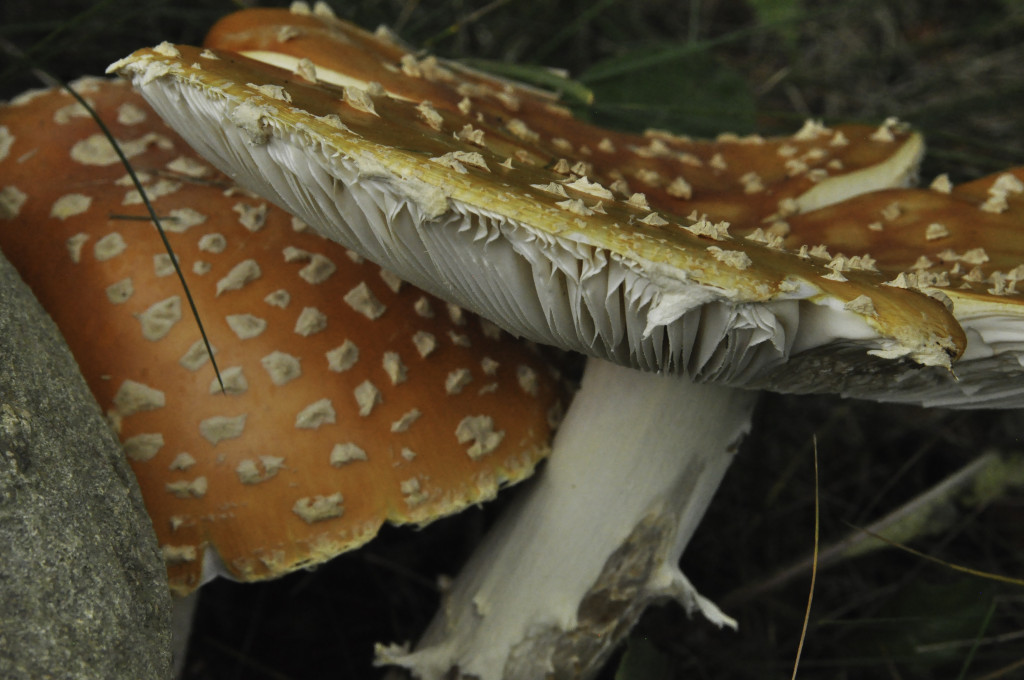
(568, 570)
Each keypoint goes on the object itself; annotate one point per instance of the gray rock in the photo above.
(83, 592)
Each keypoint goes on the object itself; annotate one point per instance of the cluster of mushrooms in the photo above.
(692, 273)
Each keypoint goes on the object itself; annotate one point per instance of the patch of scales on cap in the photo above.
(734, 178)
(961, 245)
(297, 326)
(661, 268)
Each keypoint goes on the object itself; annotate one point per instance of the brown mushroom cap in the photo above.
(970, 225)
(353, 398)
(961, 245)
(506, 238)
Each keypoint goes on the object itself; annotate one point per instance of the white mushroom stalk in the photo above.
(570, 567)
(564, 261)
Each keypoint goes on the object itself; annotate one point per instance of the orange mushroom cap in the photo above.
(744, 180)
(959, 244)
(970, 225)
(352, 397)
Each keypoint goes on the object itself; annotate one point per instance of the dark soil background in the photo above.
(953, 69)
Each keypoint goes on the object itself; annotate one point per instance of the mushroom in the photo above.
(564, 260)
(351, 398)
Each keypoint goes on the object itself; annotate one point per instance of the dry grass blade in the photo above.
(928, 513)
(814, 563)
(949, 565)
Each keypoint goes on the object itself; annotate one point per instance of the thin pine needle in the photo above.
(51, 80)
